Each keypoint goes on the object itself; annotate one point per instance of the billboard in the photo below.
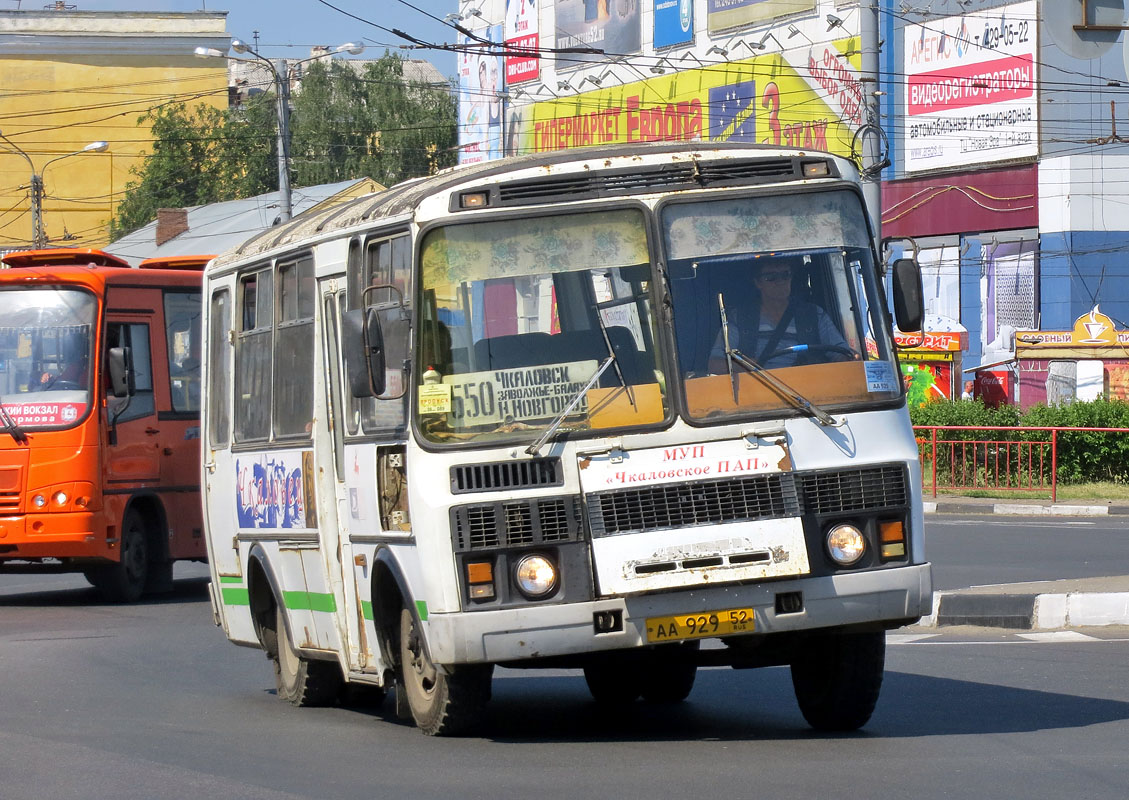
(724, 15)
(613, 26)
(480, 101)
(809, 99)
(521, 34)
(674, 23)
(970, 95)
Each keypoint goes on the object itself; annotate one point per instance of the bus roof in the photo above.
(177, 262)
(403, 199)
(63, 256)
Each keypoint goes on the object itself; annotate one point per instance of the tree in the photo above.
(344, 125)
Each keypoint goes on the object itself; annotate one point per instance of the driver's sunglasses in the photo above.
(775, 277)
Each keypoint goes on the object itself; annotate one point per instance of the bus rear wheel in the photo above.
(442, 704)
(302, 681)
(837, 679)
(124, 581)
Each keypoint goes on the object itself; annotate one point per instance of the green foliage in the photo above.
(964, 412)
(1088, 456)
(1082, 457)
(343, 126)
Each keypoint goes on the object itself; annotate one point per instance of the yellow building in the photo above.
(72, 78)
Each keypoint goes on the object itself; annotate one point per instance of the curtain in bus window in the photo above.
(789, 222)
(182, 341)
(253, 358)
(294, 350)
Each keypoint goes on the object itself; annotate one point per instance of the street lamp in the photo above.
(281, 72)
(39, 236)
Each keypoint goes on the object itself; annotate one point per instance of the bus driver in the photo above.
(777, 328)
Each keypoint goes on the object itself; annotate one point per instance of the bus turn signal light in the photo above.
(480, 579)
(892, 536)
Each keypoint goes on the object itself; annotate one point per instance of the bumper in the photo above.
(544, 631)
(56, 535)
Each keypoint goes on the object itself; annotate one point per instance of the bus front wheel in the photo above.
(302, 681)
(124, 581)
(837, 679)
(442, 704)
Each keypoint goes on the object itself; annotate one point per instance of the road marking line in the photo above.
(1058, 636)
(908, 638)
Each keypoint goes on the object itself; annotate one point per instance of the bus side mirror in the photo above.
(120, 362)
(364, 352)
(909, 297)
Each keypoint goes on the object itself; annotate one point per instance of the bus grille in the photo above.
(537, 521)
(9, 502)
(854, 490)
(679, 505)
(500, 476)
(746, 498)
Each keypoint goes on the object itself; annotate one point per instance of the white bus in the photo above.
(627, 410)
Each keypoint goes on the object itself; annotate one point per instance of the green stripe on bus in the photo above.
(231, 579)
(366, 609)
(309, 601)
(421, 609)
(236, 597)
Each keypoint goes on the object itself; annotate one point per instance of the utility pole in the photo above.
(38, 235)
(871, 141)
(282, 86)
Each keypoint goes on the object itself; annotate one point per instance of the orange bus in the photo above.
(100, 418)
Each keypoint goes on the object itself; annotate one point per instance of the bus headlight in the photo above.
(39, 501)
(535, 575)
(845, 544)
(61, 498)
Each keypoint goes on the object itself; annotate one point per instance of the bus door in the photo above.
(177, 368)
(133, 457)
(219, 483)
(356, 554)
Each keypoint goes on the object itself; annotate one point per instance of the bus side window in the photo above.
(253, 356)
(219, 357)
(135, 336)
(386, 262)
(182, 338)
(294, 350)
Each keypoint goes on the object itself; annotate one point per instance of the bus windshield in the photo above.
(46, 341)
(519, 315)
(780, 284)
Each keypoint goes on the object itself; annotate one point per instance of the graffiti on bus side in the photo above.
(276, 491)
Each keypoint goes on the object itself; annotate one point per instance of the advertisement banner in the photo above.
(674, 23)
(809, 99)
(521, 34)
(723, 15)
(970, 88)
(613, 26)
(480, 101)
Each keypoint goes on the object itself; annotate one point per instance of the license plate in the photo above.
(699, 626)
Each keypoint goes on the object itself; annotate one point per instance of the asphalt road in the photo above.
(990, 549)
(151, 701)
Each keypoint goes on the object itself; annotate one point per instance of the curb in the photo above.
(1024, 509)
(1028, 611)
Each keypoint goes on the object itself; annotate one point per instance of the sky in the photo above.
(289, 28)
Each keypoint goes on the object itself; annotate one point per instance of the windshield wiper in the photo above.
(576, 398)
(615, 361)
(794, 398)
(11, 428)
